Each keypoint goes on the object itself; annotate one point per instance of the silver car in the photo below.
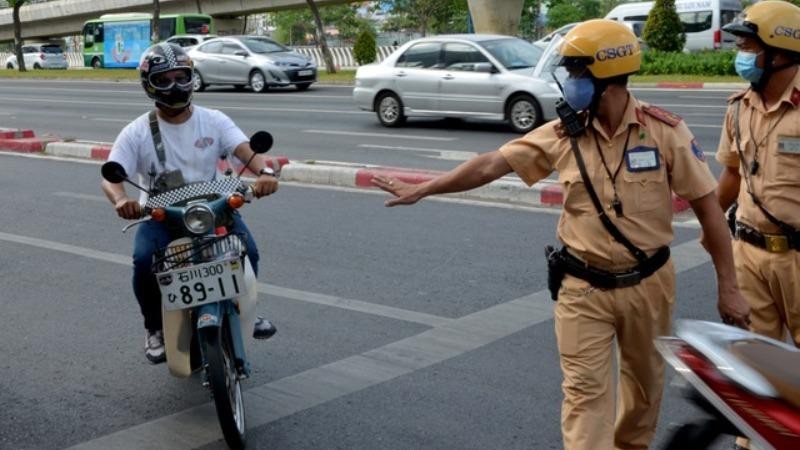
(40, 56)
(470, 75)
(253, 61)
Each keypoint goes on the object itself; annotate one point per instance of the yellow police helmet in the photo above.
(606, 47)
(776, 23)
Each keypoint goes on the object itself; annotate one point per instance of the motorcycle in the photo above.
(748, 385)
(208, 287)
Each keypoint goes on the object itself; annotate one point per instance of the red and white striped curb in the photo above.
(508, 190)
(23, 141)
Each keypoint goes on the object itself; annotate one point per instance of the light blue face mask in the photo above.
(745, 64)
(578, 92)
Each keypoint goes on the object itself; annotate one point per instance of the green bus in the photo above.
(118, 40)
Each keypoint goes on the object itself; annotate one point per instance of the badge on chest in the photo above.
(789, 144)
(642, 159)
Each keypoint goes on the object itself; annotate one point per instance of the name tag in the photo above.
(641, 159)
(789, 144)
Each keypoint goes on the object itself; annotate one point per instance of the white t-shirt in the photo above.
(193, 147)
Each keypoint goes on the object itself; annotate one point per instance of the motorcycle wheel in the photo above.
(224, 384)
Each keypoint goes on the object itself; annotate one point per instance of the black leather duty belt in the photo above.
(612, 280)
(773, 243)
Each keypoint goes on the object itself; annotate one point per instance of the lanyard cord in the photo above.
(616, 203)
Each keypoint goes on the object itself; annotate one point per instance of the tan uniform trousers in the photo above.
(587, 320)
(770, 283)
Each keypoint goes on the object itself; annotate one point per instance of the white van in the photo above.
(702, 20)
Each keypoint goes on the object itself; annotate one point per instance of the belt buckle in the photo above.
(628, 279)
(776, 243)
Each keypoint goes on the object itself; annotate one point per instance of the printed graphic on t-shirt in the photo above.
(204, 142)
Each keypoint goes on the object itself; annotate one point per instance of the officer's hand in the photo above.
(128, 209)
(733, 309)
(265, 185)
(405, 193)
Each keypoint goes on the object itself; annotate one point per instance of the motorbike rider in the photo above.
(193, 140)
(760, 153)
(654, 153)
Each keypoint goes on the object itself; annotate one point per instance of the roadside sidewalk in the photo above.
(508, 190)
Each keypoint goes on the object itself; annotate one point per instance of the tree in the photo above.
(562, 12)
(17, 4)
(364, 50)
(663, 30)
(321, 41)
(424, 16)
(154, 25)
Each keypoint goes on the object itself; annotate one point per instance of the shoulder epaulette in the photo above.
(663, 115)
(737, 96)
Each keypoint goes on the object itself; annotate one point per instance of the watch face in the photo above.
(267, 171)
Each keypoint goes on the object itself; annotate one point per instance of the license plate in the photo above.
(200, 284)
(305, 73)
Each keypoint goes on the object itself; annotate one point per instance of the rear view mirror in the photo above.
(240, 53)
(113, 172)
(261, 142)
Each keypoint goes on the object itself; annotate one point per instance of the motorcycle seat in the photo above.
(778, 365)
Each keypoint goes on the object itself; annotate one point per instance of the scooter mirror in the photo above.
(113, 172)
(261, 142)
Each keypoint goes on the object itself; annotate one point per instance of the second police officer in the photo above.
(618, 160)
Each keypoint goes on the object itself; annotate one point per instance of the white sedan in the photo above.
(462, 76)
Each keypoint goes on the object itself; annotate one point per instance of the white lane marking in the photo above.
(196, 427)
(138, 107)
(452, 155)
(101, 119)
(292, 294)
(379, 135)
(702, 125)
(138, 93)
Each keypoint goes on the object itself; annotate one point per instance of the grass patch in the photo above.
(686, 78)
(341, 77)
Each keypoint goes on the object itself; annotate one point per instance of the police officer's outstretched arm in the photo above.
(732, 306)
(474, 173)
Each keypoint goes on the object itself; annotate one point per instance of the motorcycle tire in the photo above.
(224, 383)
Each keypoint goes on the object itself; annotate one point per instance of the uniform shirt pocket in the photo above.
(643, 191)
(787, 159)
(576, 198)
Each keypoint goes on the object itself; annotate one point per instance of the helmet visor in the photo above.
(165, 81)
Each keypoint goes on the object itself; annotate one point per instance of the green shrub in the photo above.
(699, 63)
(663, 30)
(364, 50)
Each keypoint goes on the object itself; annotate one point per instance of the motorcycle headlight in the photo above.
(199, 219)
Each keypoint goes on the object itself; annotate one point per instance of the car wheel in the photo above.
(389, 109)
(302, 86)
(257, 81)
(197, 82)
(523, 113)
(36, 67)
(96, 63)
(10, 66)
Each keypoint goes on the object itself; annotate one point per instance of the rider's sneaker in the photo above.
(263, 329)
(154, 347)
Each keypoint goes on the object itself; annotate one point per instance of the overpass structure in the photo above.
(66, 17)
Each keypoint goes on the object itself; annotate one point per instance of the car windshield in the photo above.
(513, 53)
(261, 45)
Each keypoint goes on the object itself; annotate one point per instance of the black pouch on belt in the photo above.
(730, 215)
(555, 270)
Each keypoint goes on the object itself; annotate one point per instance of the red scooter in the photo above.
(749, 385)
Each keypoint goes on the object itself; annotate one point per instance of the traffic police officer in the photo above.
(760, 152)
(633, 155)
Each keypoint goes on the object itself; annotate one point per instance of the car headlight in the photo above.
(281, 63)
(199, 219)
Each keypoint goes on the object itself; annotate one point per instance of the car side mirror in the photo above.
(241, 53)
(484, 68)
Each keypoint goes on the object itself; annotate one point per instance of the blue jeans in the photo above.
(151, 237)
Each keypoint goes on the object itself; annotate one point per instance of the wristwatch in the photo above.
(266, 170)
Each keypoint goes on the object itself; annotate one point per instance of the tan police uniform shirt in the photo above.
(776, 133)
(645, 194)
